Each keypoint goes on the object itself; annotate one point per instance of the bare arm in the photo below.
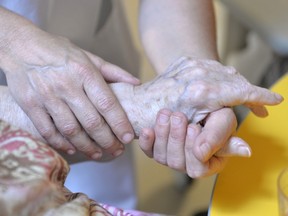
(171, 29)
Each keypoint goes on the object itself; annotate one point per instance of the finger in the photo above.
(250, 96)
(112, 73)
(105, 101)
(262, 96)
(176, 141)
(70, 128)
(259, 111)
(194, 167)
(235, 147)
(162, 129)
(95, 126)
(218, 128)
(109, 107)
(146, 141)
(46, 128)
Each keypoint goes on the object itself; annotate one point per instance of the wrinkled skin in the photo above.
(195, 88)
(199, 89)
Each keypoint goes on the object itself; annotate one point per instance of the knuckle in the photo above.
(45, 90)
(119, 124)
(200, 153)
(97, 125)
(105, 104)
(93, 123)
(201, 90)
(109, 146)
(60, 143)
(107, 141)
(200, 71)
(30, 100)
(46, 132)
(85, 147)
(70, 130)
(62, 85)
(83, 69)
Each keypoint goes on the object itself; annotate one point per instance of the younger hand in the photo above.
(199, 151)
(63, 90)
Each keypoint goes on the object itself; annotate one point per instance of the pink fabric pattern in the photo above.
(32, 177)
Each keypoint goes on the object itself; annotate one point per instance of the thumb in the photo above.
(234, 147)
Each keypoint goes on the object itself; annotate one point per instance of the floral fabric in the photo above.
(32, 177)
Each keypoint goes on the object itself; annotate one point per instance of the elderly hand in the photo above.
(64, 91)
(196, 88)
(200, 89)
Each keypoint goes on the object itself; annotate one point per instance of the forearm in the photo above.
(22, 44)
(14, 31)
(170, 29)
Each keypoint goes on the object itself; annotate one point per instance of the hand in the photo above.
(199, 151)
(63, 90)
(185, 90)
(199, 87)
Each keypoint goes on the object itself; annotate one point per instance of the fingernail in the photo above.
(175, 120)
(279, 97)
(96, 156)
(163, 119)
(71, 151)
(117, 152)
(244, 151)
(128, 137)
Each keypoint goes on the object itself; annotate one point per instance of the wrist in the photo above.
(139, 104)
